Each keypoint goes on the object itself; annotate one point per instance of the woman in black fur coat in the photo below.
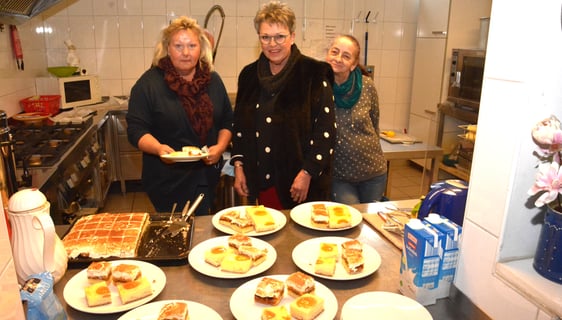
(284, 122)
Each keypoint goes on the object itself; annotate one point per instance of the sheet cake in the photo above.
(105, 235)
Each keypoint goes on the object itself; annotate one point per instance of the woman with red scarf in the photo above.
(180, 101)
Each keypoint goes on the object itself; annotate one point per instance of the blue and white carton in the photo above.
(450, 252)
(421, 261)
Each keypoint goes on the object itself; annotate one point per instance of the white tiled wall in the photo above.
(115, 39)
(10, 302)
(521, 87)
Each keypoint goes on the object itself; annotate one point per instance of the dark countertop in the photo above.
(183, 282)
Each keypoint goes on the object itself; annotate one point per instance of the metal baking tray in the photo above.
(156, 244)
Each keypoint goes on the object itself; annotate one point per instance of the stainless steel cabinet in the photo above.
(127, 158)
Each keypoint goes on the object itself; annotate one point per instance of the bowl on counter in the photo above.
(32, 118)
(62, 71)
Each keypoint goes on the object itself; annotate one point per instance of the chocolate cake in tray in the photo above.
(137, 235)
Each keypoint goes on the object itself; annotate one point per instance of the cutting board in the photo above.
(400, 138)
(376, 222)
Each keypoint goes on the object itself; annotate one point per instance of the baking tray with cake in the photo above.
(141, 236)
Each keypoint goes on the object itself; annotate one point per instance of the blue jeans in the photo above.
(359, 192)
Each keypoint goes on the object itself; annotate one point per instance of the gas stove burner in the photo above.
(44, 146)
(35, 160)
(53, 143)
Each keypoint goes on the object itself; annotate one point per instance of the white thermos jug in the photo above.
(35, 245)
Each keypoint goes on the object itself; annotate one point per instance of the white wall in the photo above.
(522, 82)
(115, 39)
(10, 301)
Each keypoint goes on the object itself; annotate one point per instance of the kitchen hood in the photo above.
(20, 11)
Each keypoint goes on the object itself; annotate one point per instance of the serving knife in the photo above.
(184, 211)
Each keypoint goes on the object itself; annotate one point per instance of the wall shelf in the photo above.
(520, 275)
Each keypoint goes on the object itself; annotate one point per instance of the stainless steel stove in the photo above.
(67, 162)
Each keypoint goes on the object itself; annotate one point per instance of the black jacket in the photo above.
(303, 125)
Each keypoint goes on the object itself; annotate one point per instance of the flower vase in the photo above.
(548, 256)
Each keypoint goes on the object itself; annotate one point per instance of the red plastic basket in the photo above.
(47, 103)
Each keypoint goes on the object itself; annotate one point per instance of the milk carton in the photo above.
(450, 252)
(421, 261)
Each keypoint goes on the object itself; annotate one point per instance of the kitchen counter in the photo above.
(41, 174)
(400, 151)
(185, 283)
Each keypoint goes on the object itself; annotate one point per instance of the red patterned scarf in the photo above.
(193, 96)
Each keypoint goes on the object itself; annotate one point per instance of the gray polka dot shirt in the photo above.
(358, 153)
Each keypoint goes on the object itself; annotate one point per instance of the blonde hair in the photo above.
(178, 24)
(275, 12)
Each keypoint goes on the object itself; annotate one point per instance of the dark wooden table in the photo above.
(183, 282)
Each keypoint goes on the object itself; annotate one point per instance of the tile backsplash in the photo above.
(10, 302)
(115, 39)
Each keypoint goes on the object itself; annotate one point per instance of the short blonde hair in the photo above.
(275, 12)
(178, 24)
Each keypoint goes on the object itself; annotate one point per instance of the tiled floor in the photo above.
(405, 184)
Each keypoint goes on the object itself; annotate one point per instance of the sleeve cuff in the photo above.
(235, 158)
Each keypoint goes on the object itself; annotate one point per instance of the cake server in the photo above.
(183, 224)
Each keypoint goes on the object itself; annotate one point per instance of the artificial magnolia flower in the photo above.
(548, 180)
(548, 136)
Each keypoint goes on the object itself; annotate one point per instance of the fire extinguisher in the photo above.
(16, 46)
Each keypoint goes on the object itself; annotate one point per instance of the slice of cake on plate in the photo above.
(239, 239)
(215, 255)
(242, 224)
(98, 294)
(226, 218)
(275, 313)
(134, 290)
(125, 272)
(353, 245)
(307, 307)
(257, 255)
(328, 250)
(352, 261)
(262, 219)
(174, 311)
(325, 266)
(319, 215)
(236, 263)
(299, 283)
(269, 291)
(339, 217)
(99, 271)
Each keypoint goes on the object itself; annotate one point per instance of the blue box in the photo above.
(453, 233)
(421, 263)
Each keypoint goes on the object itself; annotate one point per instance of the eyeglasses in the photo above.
(278, 38)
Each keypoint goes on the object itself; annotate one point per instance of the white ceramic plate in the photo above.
(278, 216)
(243, 306)
(306, 252)
(301, 214)
(196, 258)
(180, 156)
(75, 297)
(382, 305)
(150, 311)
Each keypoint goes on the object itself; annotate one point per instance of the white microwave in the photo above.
(75, 91)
